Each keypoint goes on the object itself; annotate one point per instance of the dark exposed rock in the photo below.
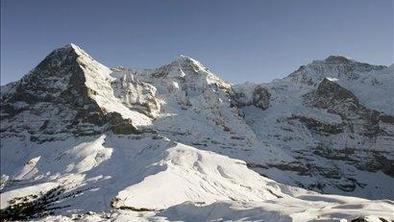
(337, 60)
(330, 95)
(58, 78)
(356, 117)
(364, 219)
(37, 206)
(328, 153)
(298, 167)
(328, 172)
(260, 97)
(377, 161)
(387, 119)
(318, 126)
(366, 160)
(359, 219)
(120, 125)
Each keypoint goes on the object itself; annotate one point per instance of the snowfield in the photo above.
(80, 141)
(167, 181)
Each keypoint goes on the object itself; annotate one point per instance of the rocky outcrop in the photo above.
(317, 126)
(249, 94)
(119, 125)
(336, 99)
(360, 125)
(332, 116)
(366, 160)
(330, 95)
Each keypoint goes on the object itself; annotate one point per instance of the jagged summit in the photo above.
(68, 56)
(187, 63)
(334, 66)
(339, 60)
(70, 46)
(190, 71)
(70, 49)
(64, 69)
(185, 58)
(343, 60)
(68, 92)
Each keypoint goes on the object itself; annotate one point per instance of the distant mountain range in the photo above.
(81, 141)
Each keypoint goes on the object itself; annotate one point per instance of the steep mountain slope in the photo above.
(299, 125)
(179, 143)
(338, 139)
(68, 92)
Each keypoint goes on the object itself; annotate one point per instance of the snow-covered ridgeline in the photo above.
(326, 127)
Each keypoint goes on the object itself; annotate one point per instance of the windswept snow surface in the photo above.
(167, 181)
(177, 143)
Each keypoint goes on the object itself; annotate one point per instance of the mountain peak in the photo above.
(71, 48)
(72, 45)
(184, 57)
(337, 59)
(182, 66)
(334, 66)
(65, 69)
(72, 130)
(183, 60)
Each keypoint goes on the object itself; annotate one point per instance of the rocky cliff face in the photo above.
(336, 134)
(249, 94)
(322, 127)
(363, 126)
(60, 98)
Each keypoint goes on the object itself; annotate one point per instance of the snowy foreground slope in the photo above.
(80, 141)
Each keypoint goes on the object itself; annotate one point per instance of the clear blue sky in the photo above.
(243, 40)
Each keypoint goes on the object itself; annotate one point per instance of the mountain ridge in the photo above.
(325, 127)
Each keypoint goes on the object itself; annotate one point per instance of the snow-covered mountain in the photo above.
(177, 143)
